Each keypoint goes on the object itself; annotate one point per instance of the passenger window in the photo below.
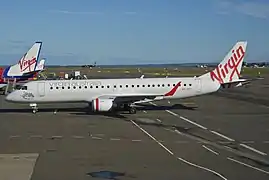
(107, 86)
(153, 85)
(138, 86)
(163, 85)
(96, 86)
(51, 87)
(79, 87)
(158, 85)
(120, 86)
(68, 87)
(102, 86)
(74, 87)
(115, 86)
(57, 87)
(168, 85)
(190, 84)
(184, 84)
(63, 87)
(148, 85)
(132, 85)
(126, 85)
(85, 87)
(174, 85)
(91, 87)
(143, 85)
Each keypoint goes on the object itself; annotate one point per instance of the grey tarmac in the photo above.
(217, 136)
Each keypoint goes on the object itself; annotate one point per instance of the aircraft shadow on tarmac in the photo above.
(142, 107)
(87, 111)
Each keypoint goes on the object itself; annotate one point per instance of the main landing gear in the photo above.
(130, 108)
(34, 107)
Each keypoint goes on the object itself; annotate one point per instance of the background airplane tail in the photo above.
(28, 62)
(229, 69)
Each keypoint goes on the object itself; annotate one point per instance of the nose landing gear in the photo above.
(34, 107)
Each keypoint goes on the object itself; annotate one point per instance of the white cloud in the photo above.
(75, 12)
(87, 12)
(259, 10)
(250, 8)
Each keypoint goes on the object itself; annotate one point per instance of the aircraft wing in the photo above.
(132, 98)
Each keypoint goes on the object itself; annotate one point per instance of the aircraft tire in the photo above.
(132, 110)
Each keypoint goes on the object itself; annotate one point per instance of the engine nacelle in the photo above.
(102, 104)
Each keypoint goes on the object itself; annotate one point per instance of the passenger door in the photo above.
(198, 85)
(41, 89)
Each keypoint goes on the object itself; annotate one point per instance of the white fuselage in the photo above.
(58, 91)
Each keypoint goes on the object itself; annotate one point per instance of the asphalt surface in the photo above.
(220, 136)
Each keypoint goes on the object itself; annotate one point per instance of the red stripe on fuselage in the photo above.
(97, 104)
(173, 91)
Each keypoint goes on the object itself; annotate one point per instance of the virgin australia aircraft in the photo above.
(114, 94)
(27, 67)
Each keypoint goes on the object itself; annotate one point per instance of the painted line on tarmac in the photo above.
(221, 135)
(181, 117)
(136, 140)
(97, 138)
(14, 136)
(214, 132)
(159, 120)
(210, 150)
(78, 137)
(171, 153)
(36, 136)
(253, 149)
(247, 165)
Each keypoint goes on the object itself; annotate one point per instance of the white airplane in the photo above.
(115, 94)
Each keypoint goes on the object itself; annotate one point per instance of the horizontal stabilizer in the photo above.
(238, 82)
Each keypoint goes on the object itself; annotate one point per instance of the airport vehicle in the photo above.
(122, 94)
(26, 68)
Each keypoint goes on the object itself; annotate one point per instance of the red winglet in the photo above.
(172, 92)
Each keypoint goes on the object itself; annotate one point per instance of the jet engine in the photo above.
(102, 104)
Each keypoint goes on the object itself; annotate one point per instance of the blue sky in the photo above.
(133, 31)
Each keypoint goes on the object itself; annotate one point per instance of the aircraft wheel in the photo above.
(34, 111)
(132, 110)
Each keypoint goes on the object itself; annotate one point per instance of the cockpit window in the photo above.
(20, 87)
